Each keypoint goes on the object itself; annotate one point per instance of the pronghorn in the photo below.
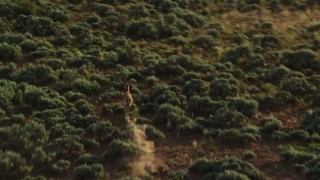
(127, 100)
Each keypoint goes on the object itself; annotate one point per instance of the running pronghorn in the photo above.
(127, 100)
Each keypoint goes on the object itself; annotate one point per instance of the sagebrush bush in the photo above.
(301, 59)
(204, 105)
(84, 172)
(103, 131)
(13, 166)
(311, 121)
(227, 118)
(271, 124)
(9, 52)
(177, 175)
(168, 113)
(212, 169)
(154, 134)
(87, 159)
(221, 88)
(195, 87)
(120, 149)
(86, 87)
(247, 107)
(60, 166)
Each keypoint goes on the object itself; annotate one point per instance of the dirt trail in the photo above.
(146, 163)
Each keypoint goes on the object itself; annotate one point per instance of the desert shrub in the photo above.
(37, 74)
(61, 129)
(9, 52)
(205, 41)
(227, 118)
(83, 106)
(168, 113)
(119, 149)
(297, 86)
(195, 87)
(103, 131)
(87, 159)
(41, 52)
(296, 156)
(153, 133)
(104, 9)
(80, 30)
(212, 168)
(12, 38)
(66, 146)
(168, 68)
(189, 127)
(313, 169)
(8, 71)
(89, 143)
(270, 41)
(271, 124)
(204, 105)
(300, 59)
(299, 134)
(275, 5)
(39, 26)
(230, 174)
(235, 54)
(13, 166)
(92, 172)
(60, 166)
(40, 177)
(59, 15)
(142, 29)
(311, 121)
(221, 87)
(249, 155)
(113, 108)
(55, 64)
(279, 135)
(86, 87)
(7, 93)
(244, 135)
(73, 96)
(29, 45)
(177, 175)
(247, 107)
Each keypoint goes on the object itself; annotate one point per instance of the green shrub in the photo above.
(311, 121)
(247, 155)
(301, 59)
(9, 52)
(234, 55)
(87, 159)
(270, 41)
(13, 166)
(177, 175)
(103, 131)
(244, 135)
(221, 88)
(190, 127)
(248, 107)
(212, 168)
(205, 41)
(296, 156)
(60, 166)
(297, 86)
(7, 93)
(39, 26)
(86, 87)
(29, 45)
(204, 105)
(168, 113)
(154, 134)
(92, 172)
(313, 169)
(35, 74)
(195, 87)
(67, 146)
(232, 175)
(83, 106)
(227, 118)
(271, 124)
(119, 149)
(8, 71)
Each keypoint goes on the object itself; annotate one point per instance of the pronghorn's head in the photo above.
(126, 87)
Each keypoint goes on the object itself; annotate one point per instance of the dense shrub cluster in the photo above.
(225, 168)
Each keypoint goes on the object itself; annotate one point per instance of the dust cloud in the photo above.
(147, 162)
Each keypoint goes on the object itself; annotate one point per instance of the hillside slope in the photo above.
(222, 89)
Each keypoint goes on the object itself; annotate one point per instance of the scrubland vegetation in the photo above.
(227, 89)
